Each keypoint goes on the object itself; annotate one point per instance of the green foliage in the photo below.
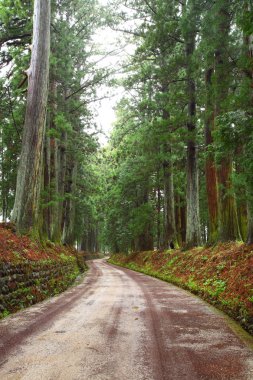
(215, 286)
(140, 219)
(62, 124)
(4, 314)
(114, 198)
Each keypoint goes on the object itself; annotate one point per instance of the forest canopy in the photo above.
(177, 169)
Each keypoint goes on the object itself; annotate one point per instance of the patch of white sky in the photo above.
(114, 51)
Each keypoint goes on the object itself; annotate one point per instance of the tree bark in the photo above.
(211, 176)
(144, 242)
(70, 209)
(169, 206)
(26, 207)
(249, 46)
(169, 196)
(180, 218)
(228, 221)
(250, 223)
(158, 191)
(46, 190)
(51, 168)
(193, 234)
(242, 212)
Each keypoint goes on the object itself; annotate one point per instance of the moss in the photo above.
(35, 281)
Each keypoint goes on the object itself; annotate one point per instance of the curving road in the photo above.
(122, 325)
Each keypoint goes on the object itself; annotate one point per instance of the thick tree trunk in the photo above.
(46, 190)
(228, 221)
(144, 242)
(54, 188)
(60, 163)
(250, 223)
(180, 218)
(211, 176)
(169, 206)
(249, 44)
(70, 209)
(193, 235)
(91, 241)
(242, 213)
(2, 182)
(158, 238)
(54, 166)
(84, 239)
(26, 207)
(97, 241)
(228, 228)
(51, 168)
(169, 227)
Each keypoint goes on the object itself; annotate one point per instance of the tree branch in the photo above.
(15, 37)
(127, 31)
(86, 85)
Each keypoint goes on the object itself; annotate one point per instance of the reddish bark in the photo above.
(229, 229)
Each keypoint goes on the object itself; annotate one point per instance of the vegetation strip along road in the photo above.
(119, 322)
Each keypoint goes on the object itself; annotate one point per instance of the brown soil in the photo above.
(17, 248)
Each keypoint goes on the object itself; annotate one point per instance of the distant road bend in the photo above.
(121, 325)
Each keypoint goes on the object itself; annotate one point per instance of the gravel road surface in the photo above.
(122, 325)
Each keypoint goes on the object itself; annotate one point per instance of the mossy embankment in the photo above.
(31, 272)
(221, 275)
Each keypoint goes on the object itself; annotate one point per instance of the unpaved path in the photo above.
(121, 325)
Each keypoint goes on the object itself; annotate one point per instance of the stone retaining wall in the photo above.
(25, 283)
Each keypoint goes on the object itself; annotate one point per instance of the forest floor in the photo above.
(221, 275)
(14, 248)
(31, 271)
(119, 324)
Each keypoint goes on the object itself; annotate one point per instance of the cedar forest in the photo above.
(177, 169)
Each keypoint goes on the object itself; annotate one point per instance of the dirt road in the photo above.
(121, 325)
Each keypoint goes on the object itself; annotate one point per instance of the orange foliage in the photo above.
(13, 247)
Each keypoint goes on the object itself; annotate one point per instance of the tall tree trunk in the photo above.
(26, 207)
(228, 222)
(59, 162)
(169, 228)
(60, 159)
(2, 182)
(50, 212)
(193, 235)
(249, 47)
(53, 162)
(250, 222)
(180, 218)
(169, 206)
(211, 176)
(96, 235)
(46, 190)
(144, 242)
(158, 211)
(70, 209)
(242, 212)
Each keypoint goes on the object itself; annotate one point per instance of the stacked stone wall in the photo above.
(25, 283)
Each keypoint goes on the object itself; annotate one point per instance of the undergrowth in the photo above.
(221, 275)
